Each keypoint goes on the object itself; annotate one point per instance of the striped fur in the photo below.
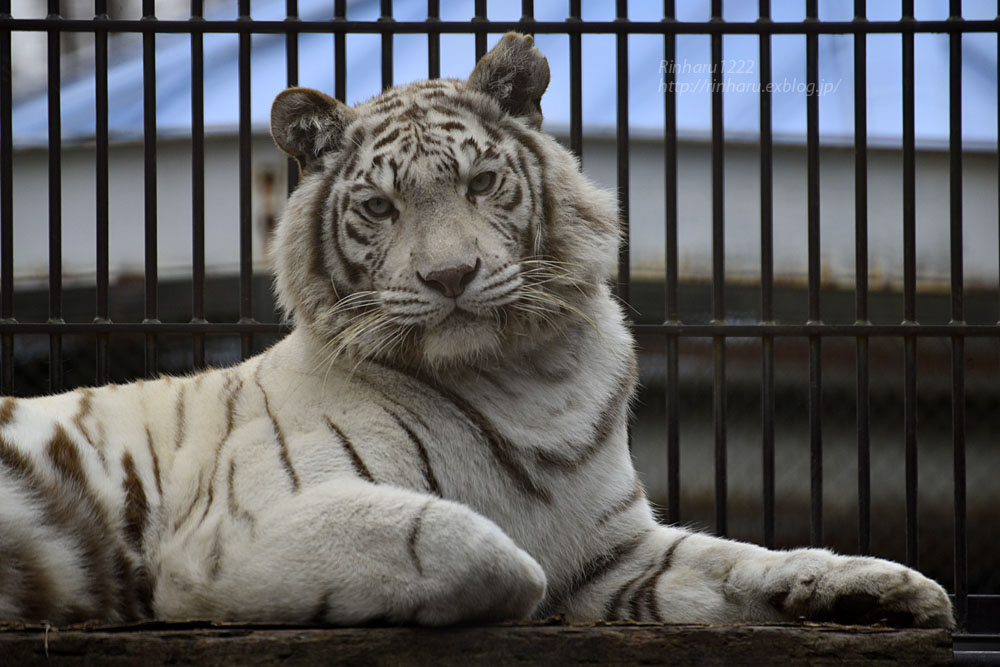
(441, 439)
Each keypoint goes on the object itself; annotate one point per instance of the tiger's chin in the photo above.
(460, 339)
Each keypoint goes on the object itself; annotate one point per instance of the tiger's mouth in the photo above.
(460, 315)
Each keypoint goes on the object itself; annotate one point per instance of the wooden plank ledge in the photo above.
(506, 644)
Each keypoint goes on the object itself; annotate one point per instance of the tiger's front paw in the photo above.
(859, 591)
(470, 570)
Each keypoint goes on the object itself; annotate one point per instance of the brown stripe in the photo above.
(84, 410)
(612, 414)
(638, 493)
(319, 616)
(235, 510)
(614, 604)
(646, 591)
(286, 462)
(181, 423)
(429, 477)
(136, 505)
(15, 460)
(72, 509)
(186, 514)
(451, 125)
(66, 459)
(411, 542)
(387, 139)
(156, 462)
(25, 582)
(500, 448)
(233, 387)
(215, 556)
(7, 407)
(595, 569)
(359, 466)
(234, 392)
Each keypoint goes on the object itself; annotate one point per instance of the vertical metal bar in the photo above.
(480, 17)
(149, 150)
(861, 278)
(386, 17)
(909, 293)
(101, 180)
(246, 212)
(621, 143)
(340, 53)
(958, 317)
(55, 201)
(718, 280)
(815, 342)
(6, 208)
(527, 10)
(291, 79)
(670, 254)
(197, 185)
(433, 40)
(767, 278)
(575, 84)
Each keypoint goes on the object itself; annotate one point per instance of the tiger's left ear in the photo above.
(515, 74)
(306, 124)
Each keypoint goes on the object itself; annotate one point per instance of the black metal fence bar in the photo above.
(101, 186)
(55, 198)
(909, 294)
(575, 83)
(6, 207)
(766, 280)
(861, 280)
(386, 17)
(550, 27)
(197, 186)
(291, 79)
(433, 40)
(671, 308)
(815, 342)
(340, 47)
(957, 315)
(480, 17)
(149, 171)
(245, 210)
(621, 143)
(718, 277)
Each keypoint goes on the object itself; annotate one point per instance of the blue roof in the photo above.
(646, 99)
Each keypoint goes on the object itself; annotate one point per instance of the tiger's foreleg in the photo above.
(672, 575)
(347, 552)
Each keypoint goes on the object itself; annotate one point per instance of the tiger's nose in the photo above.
(452, 281)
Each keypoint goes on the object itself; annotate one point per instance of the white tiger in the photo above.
(441, 439)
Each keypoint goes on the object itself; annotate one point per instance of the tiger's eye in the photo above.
(482, 182)
(379, 207)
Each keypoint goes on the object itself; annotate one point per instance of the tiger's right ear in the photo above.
(306, 124)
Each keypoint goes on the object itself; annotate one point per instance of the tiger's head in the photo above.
(436, 224)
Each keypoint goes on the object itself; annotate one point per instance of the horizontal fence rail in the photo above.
(248, 25)
(973, 611)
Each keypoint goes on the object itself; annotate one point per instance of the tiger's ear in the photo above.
(306, 124)
(515, 74)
